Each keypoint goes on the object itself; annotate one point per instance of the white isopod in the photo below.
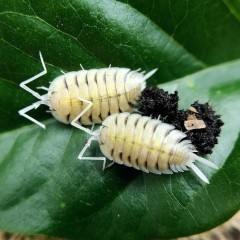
(88, 96)
(145, 144)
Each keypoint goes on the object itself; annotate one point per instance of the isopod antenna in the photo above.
(43, 99)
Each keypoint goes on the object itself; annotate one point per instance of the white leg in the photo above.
(95, 158)
(26, 109)
(74, 121)
(137, 111)
(23, 84)
(109, 165)
(87, 145)
(43, 88)
(92, 128)
(81, 66)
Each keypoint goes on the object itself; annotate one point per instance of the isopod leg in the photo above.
(87, 145)
(109, 165)
(43, 88)
(23, 112)
(82, 66)
(23, 84)
(92, 128)
(74, 121)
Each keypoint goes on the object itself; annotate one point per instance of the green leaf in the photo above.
(207, 29)
(234, 7)
(68, 35)
(44, 188)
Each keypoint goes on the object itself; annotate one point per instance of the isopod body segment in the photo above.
(88, 96)
(111, 90)
(146, 144)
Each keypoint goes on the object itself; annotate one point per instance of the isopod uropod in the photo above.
(145, 144)
(88, 96)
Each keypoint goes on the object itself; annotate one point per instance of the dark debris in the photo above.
(155, 102)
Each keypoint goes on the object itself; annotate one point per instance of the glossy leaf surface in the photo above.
(44, 188)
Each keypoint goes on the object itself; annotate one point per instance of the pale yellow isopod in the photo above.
(88, 96)
(145, 144)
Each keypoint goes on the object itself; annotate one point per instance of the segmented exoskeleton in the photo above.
(88, 96)
(145, 144)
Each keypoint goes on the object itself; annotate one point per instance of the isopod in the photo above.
(88, 96)
(145, 144)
